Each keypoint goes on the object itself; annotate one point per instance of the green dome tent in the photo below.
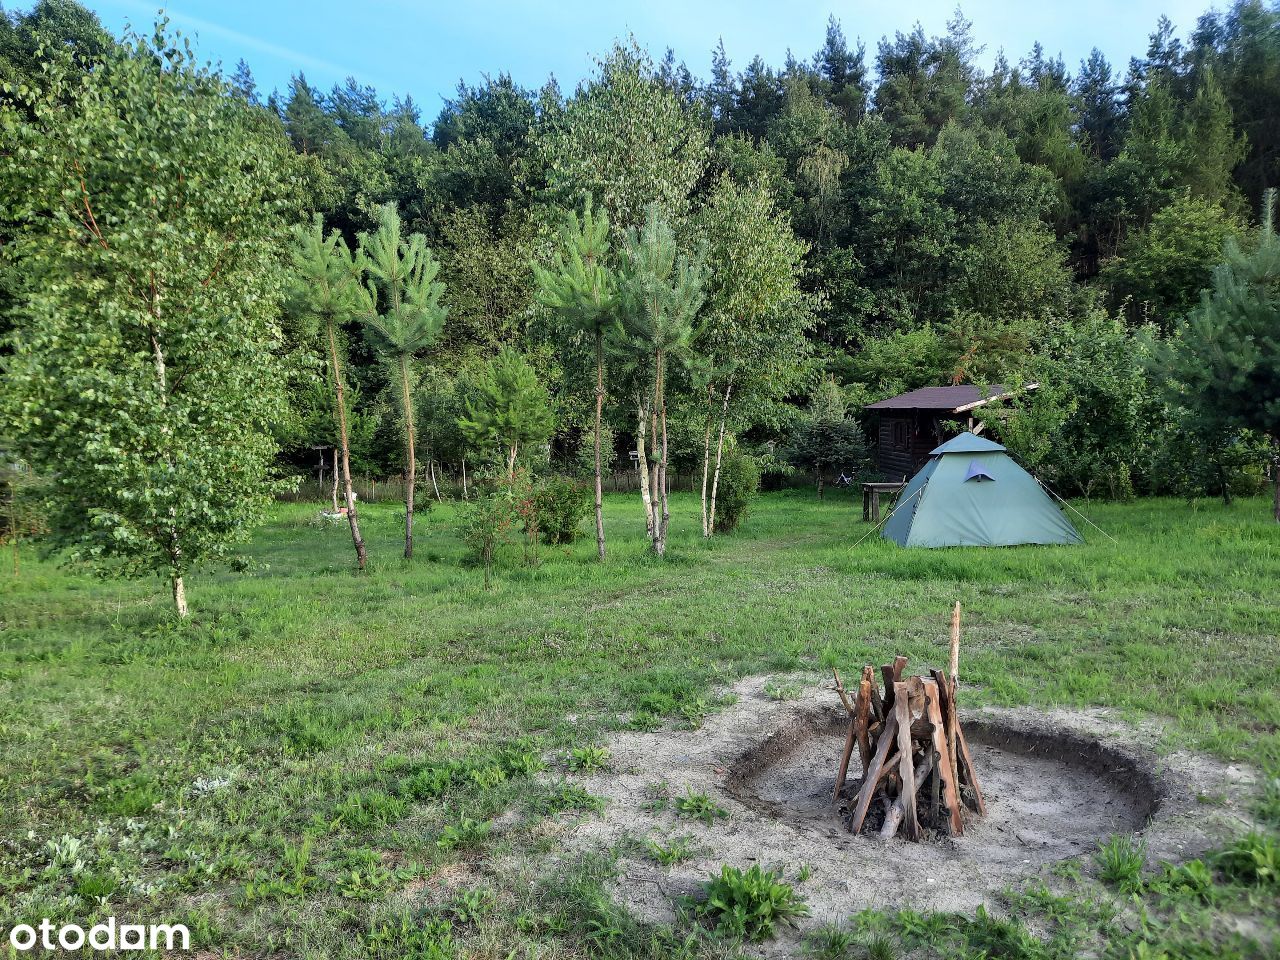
(972, 494)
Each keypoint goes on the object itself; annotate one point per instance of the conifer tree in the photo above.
(661, 295)
(403, 317)
(511, 408)
(326, 294)
(1225, 358)
(580, 287)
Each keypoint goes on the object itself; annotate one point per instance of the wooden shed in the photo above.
(914, 423)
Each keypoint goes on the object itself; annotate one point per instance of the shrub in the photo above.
(561, 504)
(739, 484)
(487, 521)
(1120, 862)
(750, 903)
(1253, 859)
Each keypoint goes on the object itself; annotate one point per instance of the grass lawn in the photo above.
(301, 769)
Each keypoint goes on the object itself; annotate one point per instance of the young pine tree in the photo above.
(511, 409)
(326, 293)
(580, 288)
(661, 294)
(403, 317)
(1225, 358)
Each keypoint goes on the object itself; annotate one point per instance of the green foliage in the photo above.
(1224, 360)
(1162, 269)
(509, 409)
(751, 903)
(828, 442)
(1253, 859)
(141, 381)
(561, 503)
(578, 286)
(752, 333)
(626, 141)
(588, 759)
(490, 516)
(677, 851)
(699, 806)
(464, 832)
(1120, 861)
(739, 485)
(1096, 422)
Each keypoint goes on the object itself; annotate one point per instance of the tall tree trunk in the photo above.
(511, 462)
(335, 479)
(706, 466)
(465, 495)
(411, 467)
(715, 483)
(664, 517)
(180, 596)
(599, 427)
(175, 545)
(348, 493)
(654, 457)
(434, 485)
(1275, 478)
(642, 461)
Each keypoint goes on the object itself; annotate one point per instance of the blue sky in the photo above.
(425, 47)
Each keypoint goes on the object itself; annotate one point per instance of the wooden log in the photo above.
(877, 704)
(902, 712)
(897, 810)
(892, 673)
(849, 740)
(970, 775)
(862, 720)
(950, 786)
(952, 722)
(874, 771)
(841, 692)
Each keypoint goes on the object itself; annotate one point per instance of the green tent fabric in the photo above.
(972, 494)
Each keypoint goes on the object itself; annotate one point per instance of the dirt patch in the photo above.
(1057, 782)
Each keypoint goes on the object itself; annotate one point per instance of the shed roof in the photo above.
(956, 399)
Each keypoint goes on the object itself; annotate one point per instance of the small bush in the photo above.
(562, 504)
(1120, 862)
(587, 759)
(1253, 859)
(699, 806)
(678, 850)
(749, 904)
(739, 484)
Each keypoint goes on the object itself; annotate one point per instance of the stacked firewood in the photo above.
(917, 768)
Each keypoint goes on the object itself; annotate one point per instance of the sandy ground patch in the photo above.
(1057, 782)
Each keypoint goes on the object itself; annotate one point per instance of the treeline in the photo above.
(959, 225)
(687, 270)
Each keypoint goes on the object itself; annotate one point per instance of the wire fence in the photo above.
(391, 489)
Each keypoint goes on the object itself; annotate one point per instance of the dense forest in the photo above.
(858, 223)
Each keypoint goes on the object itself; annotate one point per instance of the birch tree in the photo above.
(326, 294)
(627, 141)
(661, 294)
(403, 317)
(146, 211)
(752, 340)
(581, 289)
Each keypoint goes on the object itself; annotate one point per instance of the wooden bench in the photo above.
(871, 498)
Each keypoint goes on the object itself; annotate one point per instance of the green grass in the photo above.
(405, 711)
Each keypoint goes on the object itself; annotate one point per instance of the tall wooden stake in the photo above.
(952, 719)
